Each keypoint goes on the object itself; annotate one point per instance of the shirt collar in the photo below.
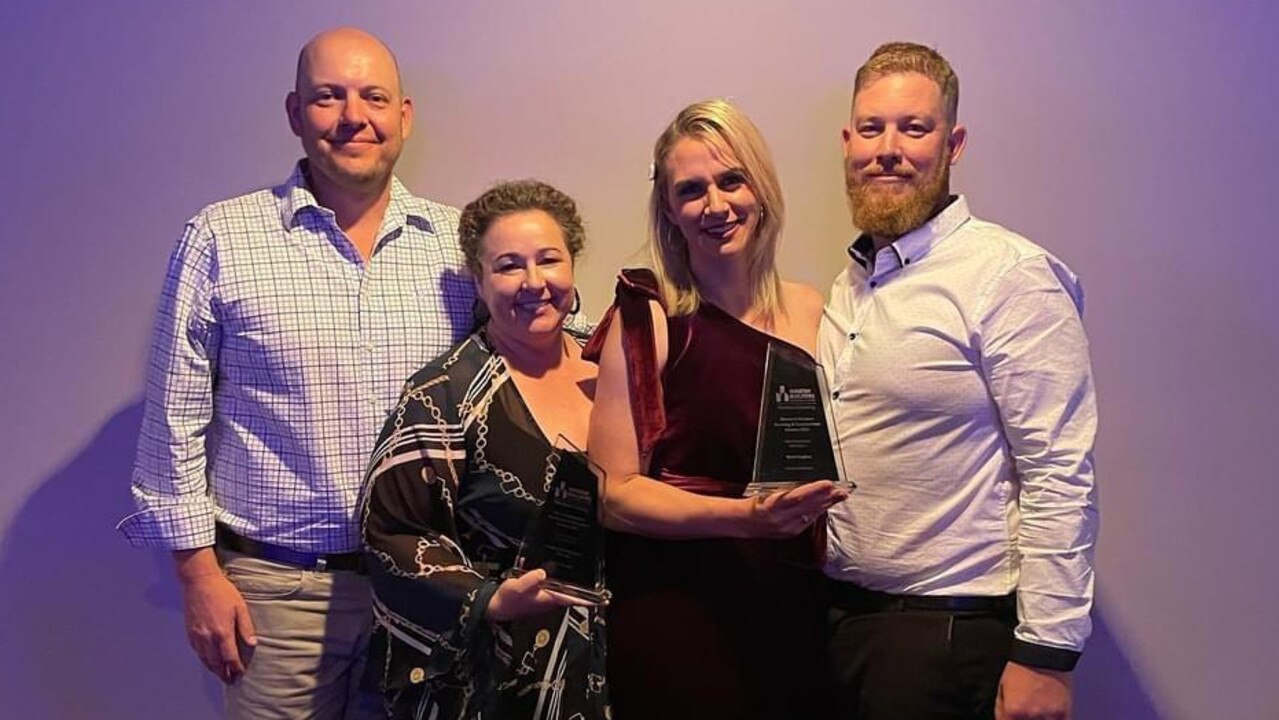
(295, 197)
(914, 245)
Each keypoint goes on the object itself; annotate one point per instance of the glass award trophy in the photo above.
(564, 536)
(796, 442)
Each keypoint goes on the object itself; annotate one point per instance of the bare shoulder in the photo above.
(803, 315)
(802, 300)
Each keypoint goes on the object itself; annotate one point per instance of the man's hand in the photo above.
(1027, 693)
(215, 614)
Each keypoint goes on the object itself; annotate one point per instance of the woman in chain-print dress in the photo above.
(458, 470)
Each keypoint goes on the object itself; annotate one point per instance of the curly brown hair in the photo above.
(517, 196)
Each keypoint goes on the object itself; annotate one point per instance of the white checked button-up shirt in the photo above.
(276, 356)
(963, 395)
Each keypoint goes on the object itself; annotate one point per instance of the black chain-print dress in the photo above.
(458, 469)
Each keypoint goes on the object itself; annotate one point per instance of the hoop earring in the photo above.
(577, 302)
(479, 314)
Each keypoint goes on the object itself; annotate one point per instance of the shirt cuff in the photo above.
(1044, 657)
(184, 526)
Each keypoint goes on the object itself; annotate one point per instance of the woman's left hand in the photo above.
(788, 512)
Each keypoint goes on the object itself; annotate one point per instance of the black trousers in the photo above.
(911, 664)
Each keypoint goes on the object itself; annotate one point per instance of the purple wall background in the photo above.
(1133, 139)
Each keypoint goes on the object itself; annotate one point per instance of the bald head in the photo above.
(349, 109)
(346, 42)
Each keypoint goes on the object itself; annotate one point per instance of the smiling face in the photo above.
(898, 149)
(525, 276)
(349, 110)
(710, 200)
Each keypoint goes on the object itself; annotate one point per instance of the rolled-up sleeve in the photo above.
(1036, 363)
(170, 487)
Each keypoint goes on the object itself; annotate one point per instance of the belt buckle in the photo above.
(321, 563)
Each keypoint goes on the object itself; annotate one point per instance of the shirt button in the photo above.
(835, 395)
(417, 675)
(874, 283)
(852, 336)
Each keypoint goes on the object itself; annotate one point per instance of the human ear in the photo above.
(293, 109)
(406, 118)
(956, 141)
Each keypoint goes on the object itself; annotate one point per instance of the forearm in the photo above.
(195, 564)
(170, 488)
(643, 506)
(420, 573)
(420, 578)
(1056, 539)
(1057, 532)
(433, 600)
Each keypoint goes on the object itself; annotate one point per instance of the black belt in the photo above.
(854, 599)
(230, 540)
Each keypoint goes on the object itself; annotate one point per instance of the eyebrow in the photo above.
(718, 176)
(882, 117)
(317, 84)
(536, 252)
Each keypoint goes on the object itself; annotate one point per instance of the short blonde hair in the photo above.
(907, 57)
(724, 128)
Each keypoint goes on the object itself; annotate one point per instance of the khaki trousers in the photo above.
(313, 633)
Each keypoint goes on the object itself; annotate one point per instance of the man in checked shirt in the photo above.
(289, 319)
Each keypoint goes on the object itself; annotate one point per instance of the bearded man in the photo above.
(960, 381)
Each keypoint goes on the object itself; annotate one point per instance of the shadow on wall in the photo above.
(92, 627)
(1106, 685)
